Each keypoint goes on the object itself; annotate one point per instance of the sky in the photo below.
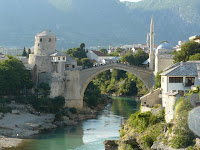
(130, 0)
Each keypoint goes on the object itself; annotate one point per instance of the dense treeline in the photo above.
(14, 78)
(189, 51)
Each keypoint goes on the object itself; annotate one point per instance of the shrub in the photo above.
(5, 109)
(184, 136)
(73, 110)
(148, 141)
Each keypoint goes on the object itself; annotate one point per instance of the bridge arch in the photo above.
(145, 75)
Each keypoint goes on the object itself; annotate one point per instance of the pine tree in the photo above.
(29, 52)
(24, 52)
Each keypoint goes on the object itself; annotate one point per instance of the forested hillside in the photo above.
(96, 22)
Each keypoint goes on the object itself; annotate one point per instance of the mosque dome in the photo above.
(165, 45)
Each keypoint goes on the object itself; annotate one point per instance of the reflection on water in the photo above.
(89, 134)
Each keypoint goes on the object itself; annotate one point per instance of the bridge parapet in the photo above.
(145, 75)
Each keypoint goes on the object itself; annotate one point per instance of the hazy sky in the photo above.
(130, 0)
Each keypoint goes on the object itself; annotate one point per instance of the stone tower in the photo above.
(151, 54)
(45, 44)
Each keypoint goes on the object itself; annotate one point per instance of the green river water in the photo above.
(89, 134)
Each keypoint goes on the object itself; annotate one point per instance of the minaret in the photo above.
(147, 42)
(151, 54)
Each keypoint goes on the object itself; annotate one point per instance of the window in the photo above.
(51, 58)
(73, 66)
(58, 58)
(63, 58)
(189, 81)
(175, 79)
(40, 39)
(49, 39)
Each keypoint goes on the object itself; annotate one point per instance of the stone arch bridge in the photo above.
(74, 82)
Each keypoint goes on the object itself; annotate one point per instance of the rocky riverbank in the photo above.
(21, 124)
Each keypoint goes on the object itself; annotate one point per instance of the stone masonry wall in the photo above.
(151, 98)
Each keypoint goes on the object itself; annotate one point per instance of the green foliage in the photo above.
(158, 80)
(86, 63)
(73, 110)
(14, 77)
(135, 59)
(114, 54)
(128, 58)
(76, 53)
(29, 52)
(118, 74)
(147, 140)
(140, 57)
(82, 46)
(92, 95)
(44, 89)
(141, 121)
(103, 50)
(5, 109)
(195, 57)
(184, 136)
(188, 49)
(48, 105)
(24, 52)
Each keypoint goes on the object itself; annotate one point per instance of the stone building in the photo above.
(163, 57)
(47, 59)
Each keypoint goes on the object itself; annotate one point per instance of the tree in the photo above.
(103, 50)
(86, 63)
(140, 57)
(82, 46)
(128, 58)
(24, 52)
(14, 77)
(76, 53)
(157, 80)
(92, 95)
(135, 59)
(29, 52)
(195, 57)
(187, 49)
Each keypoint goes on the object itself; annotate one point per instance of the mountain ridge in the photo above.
(96, 22)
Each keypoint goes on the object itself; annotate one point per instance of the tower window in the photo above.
(63, 58)
(58, 58)
(49, 39)
(40, 39)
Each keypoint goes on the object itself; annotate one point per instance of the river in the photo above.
(89, 134)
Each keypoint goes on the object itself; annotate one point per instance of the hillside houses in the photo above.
(100, 57)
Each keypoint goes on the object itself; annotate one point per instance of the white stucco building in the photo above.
(176, 81)
(99, 56)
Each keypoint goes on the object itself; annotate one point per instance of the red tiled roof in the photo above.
(98, 53)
